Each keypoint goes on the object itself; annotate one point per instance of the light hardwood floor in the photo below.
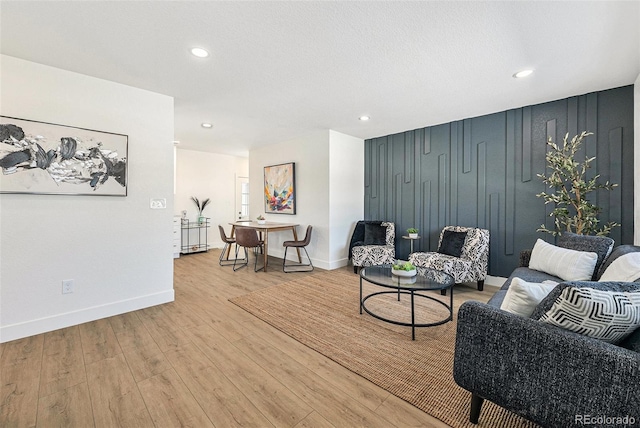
(199, 361)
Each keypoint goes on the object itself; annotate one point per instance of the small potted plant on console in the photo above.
(413, 233)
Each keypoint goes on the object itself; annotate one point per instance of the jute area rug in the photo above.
(322, 312)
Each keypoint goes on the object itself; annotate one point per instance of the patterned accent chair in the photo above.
(372, 244)
(463, 253)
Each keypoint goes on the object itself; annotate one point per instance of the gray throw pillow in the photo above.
(601, 245)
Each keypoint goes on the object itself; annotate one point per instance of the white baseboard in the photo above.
(496, 281)
(68, 319)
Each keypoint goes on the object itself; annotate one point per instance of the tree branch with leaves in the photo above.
(573, 211)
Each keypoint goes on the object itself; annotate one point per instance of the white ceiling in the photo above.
(279, 70)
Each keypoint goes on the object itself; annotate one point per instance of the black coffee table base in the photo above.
(413, 295)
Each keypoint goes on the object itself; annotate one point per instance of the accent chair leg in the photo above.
(476, 405)
(481, 285)
(443, 292)
(355, 269)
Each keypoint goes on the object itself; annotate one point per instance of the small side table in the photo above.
(411, 241)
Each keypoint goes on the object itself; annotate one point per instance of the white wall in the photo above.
(116, 249)
(636, 160)
(329, 169)
(311, 157)
(208, 175)
(346, 190)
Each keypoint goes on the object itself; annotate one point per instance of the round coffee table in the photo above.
(431, 280)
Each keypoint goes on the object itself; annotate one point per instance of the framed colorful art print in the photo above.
(279, 188)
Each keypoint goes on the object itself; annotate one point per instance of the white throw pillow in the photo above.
(569, 265)
(522, 297)
(625, 268)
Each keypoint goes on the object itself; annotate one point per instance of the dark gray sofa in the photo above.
(546, 374)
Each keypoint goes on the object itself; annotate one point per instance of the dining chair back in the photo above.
(224, 259)
(247, 237)
(298, 267)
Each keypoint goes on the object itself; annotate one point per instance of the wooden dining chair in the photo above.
(247, 237)
(298, 244)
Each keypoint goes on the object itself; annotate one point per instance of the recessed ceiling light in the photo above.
(523, 73)
(199, 52)
(364, 118)
(206, 125)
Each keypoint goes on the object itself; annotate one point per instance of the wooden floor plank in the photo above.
(170, 402)
(98, 341)
(68, 408)
(225, 404)
(146, 361)
(62, 362)
(279, 405)
(115, 398)
(358, 387)
(334, 405)
(130, 331)
(314, 420)
(20, 368)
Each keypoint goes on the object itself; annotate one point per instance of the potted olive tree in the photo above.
(573, 211)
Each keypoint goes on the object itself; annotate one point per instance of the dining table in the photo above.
(264, 229)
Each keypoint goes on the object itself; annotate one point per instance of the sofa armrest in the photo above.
(541, 372)
(525, 258)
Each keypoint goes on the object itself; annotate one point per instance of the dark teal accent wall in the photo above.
(481, 172)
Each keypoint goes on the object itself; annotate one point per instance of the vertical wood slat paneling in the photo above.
(417, 201)
(454, 145)
(442, 190)
(396, 197)
(466, 148)
(510, 185)
(388, 189)
(427, 141)
(494, 227)
(612, 203)
(551, 132)
(527, 144)
(572, 116)
(497, 188)
(590, 142)
(425, 223)
(409, 144)
(481, 166)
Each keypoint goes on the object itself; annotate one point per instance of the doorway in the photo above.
(242, 198)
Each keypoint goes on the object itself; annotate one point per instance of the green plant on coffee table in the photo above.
(412, 230)
(573, 212)
(408, 266)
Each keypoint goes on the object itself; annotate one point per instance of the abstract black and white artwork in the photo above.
(45, 158)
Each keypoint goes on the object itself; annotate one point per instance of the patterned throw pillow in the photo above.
(452, 243)
(606, 315)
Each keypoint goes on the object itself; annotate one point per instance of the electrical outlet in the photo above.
(67, 286)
